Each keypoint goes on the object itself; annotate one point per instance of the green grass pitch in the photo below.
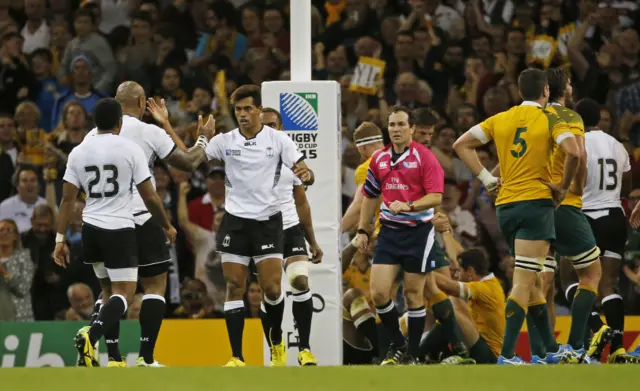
(437, 378)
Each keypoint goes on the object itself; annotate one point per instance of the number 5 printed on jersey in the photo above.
(518, 140)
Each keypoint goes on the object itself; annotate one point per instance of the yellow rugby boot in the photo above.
(96, 350)
(141, 363)
(306, 358)
(116, 364)
(235, 363)
(620, 356)
(85, 349)
(599, 341)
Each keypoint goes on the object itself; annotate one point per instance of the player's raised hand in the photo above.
(316, 253)
(557, 192)
(361, 242)
(171, 234)
(61, 255)
(207, 129)
(302, 172)
(158, 111)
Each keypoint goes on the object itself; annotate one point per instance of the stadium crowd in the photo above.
(458, 59)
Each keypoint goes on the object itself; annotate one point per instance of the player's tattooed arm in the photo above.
(187, 161)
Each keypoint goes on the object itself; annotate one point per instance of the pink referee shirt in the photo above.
(413, 175)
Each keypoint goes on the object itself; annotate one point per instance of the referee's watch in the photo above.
(411, 206)
(363, 232)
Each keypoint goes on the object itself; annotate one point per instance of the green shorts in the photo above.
(481, 352)
(526, 220)
(573, 232)
(439, 257)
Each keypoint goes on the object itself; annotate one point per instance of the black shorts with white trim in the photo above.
(115, 248)
(153, 250)
(250, 238)
(610, 230)
(294, 242)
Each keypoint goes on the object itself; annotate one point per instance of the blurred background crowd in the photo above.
(458, 58)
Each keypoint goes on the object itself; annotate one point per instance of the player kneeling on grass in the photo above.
(359, 330)
(478, 301)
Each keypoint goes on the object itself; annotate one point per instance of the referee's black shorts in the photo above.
(153, 249)
(413, 248)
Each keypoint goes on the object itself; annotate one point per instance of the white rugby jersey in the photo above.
(155, 142)
(285, 196)
(606, 161)
(253, 168)
(108, 167)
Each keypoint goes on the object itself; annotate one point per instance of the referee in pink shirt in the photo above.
(410, 180)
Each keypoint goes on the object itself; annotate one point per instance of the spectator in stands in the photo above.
(81, 302)
(16, 80)
(60, 37)
(9, 151)
(95, 51)
(81, 91)
(136, 61)
(443, 149)
(36, 31)
(173, 94)
(201, 210)
(49, 91)
(30, 135)
(253, 298)
(462, 221)
(19, 208)
(16, 275)
(195, 304)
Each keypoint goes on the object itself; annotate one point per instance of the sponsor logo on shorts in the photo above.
(226, 241)
(298, 249)
(267, 246)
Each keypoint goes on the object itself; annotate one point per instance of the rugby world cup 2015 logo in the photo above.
(299, 111)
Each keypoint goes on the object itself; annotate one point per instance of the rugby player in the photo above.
(152, 252)
(608, 176)
(252, 225)
(410, 180)
(525, 203)
(478, 302)
(297, 226)
(574, 239)
(107, 166)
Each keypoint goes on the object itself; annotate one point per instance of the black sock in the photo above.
(367, 326)
(613, 308)
(415, 325)
(275, 310)
(234, 318)
(266, 323)
(96, 310)
(151, 316)
(389, 316)
(432, 344)
(110, 314)
(302, 309)
(111, 339)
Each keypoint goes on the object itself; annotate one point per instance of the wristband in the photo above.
(60, 238)
(363, 232)
(485, 177)
(202, 142)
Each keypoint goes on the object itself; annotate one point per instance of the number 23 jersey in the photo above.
(107, 167)
(524, 137)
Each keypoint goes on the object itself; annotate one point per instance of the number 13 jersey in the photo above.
(606, 161)
(107, 167)
(524, 137)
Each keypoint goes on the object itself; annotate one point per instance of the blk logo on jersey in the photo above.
(226, 241)
(251, 143)
(232, 152)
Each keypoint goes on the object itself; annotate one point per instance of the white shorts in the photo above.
(127, 274)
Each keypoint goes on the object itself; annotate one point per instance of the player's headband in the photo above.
(368, 140)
